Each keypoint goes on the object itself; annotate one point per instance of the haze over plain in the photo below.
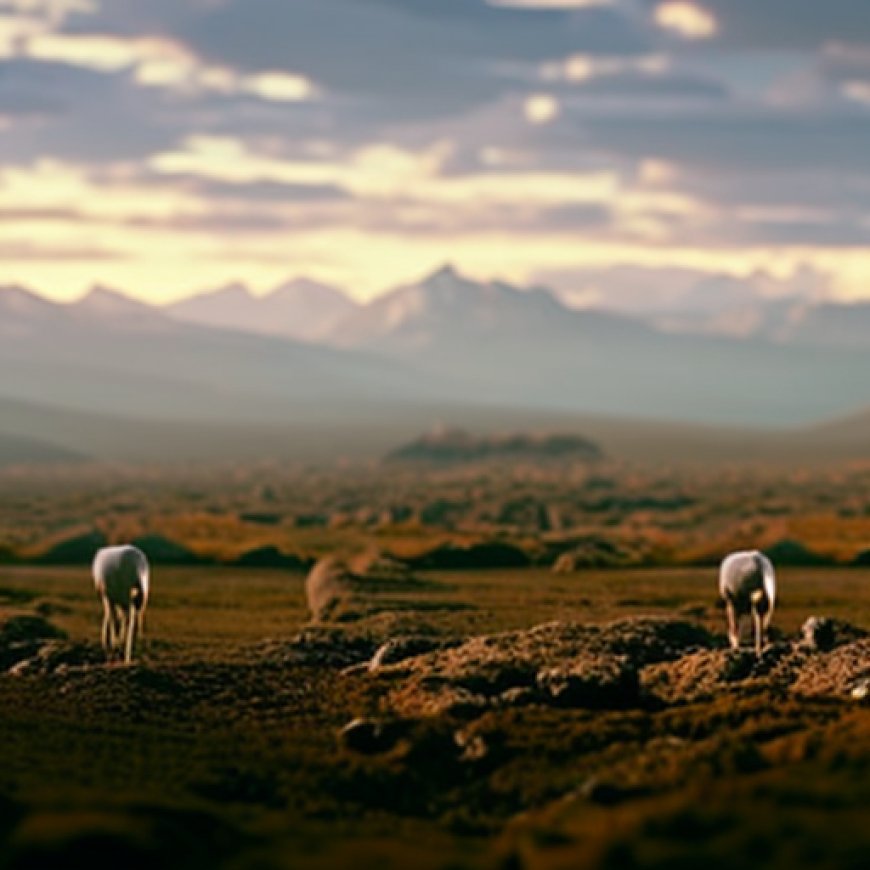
(688, 179)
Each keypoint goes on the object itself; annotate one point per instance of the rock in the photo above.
(824, 633)
(518, 697)
(473, 746)
(399, 649)
(22, 637)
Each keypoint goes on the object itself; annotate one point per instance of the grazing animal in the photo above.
(748, 584)
(121, 578)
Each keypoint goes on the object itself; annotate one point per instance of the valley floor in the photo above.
(222, 746)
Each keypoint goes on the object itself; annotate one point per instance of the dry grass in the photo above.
(230, 758)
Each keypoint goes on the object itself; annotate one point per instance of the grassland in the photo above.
(657, 514)
(216, 751)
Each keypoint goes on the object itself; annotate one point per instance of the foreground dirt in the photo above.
(430, 735)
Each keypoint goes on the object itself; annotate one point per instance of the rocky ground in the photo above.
(394, 738)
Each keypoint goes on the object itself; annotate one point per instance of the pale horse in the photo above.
(121, 578)
(747, 583)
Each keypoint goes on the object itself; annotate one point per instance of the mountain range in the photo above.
(718, 305)
(306, 358)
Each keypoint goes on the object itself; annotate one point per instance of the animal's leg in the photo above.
(733, 631)
(131, 634)
(107, 634)
(758, 622)
(118, 630)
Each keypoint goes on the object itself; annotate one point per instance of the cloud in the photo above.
(686, 19)
(23, 251)
(453, 55)
(541, 109)
(738, 138)
(363, 140)
(784, 24)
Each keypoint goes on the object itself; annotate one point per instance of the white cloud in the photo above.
(541, 109)
(583, 67)
(857, 91)
(152, 61)
(687, 19)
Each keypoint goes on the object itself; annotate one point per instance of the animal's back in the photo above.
(745, 572)
(118, 571)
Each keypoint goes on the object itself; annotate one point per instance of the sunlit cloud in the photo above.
(54, 10)
(253, 140)
(583, 67)
(859, 92)
(541, 109)
(153, 62)
(380, 171)
(686, 19)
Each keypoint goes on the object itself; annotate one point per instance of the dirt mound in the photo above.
(824, 633)
(338, 590)
(331, 590)
(58, 657)
(320, 646)
(22, 637)
(377, 566)
(76, 550)
(837, 673)
(492, 554)
(270, 557)
(629, 663)
(795, 554)
(832, 664)
(164, 551)
(598, 552)
(557, 664)
(398, 649)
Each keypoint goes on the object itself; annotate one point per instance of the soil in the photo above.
(456, 731)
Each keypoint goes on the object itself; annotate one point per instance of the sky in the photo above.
(601, 146)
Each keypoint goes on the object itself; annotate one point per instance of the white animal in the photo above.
(121, 578)
(747, 582)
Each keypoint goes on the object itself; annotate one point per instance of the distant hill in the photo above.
(105, 355)
(525, 348)
(447, 309)
(300, 309)
(16, 450)
(829, 325)
(452, 446)
(445, 343)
